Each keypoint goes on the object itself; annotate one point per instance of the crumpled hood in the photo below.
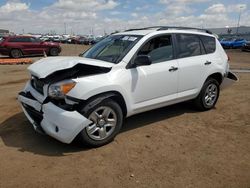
(47, 66)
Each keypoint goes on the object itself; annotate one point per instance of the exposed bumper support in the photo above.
(58, 123)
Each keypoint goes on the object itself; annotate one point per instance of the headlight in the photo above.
(59, 90)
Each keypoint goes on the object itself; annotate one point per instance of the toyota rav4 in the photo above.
(126, 73)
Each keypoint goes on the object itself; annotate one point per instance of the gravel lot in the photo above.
(174, 146)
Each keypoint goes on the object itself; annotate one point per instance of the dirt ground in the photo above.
(174, 146)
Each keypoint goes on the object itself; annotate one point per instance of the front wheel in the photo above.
(107, 119)
(208, 96)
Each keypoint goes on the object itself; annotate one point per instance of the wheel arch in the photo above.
(217, 76)
(114, 95)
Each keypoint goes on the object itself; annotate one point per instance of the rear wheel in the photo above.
(107, 119)
(208, 96)
(16, 53)
(54, 52)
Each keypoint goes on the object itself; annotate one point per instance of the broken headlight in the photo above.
(59, 90)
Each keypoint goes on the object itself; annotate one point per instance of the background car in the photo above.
(246, 46)
(232, 42)
(18, 46)
(97, 39)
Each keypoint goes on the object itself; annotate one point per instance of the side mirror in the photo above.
(141, 60)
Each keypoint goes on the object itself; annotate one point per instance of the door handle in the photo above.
(207, 63)
(172, 69)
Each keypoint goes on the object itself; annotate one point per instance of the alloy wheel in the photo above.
(211, 94)
(104, 120)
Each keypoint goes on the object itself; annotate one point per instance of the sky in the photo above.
(106, 16)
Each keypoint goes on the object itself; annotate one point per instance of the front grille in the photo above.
(37, 84)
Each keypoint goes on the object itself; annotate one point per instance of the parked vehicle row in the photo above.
(18, 46)
(86, 40)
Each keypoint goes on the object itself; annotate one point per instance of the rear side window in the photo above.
(209, 43)
(160, 49)
(189, 45)
(20, 39)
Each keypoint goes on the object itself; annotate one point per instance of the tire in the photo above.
(16, 53)
(208, 95)
(54, 51)
(101, 132)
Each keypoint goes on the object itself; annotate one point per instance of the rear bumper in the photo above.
(48, 118)
(229, 79)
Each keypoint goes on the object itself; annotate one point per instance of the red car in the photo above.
(18, 46)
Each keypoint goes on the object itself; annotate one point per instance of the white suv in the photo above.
(126, 73)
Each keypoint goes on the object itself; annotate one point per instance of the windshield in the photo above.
(112, 48)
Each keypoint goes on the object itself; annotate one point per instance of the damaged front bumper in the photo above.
(50, 119)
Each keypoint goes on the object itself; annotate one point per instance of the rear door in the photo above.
(193, 64)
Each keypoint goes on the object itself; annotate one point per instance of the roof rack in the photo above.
(160, 28)
(184, 28)
(144, 28)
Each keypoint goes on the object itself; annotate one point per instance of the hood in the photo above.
(47, 66)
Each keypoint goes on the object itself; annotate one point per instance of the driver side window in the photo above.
(159, 49)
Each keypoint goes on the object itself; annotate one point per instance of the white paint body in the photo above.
(142, 88)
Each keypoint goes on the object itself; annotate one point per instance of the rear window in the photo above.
(20, 39)
(209, 43)
(189, 45)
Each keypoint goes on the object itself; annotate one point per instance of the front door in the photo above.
(156, 83)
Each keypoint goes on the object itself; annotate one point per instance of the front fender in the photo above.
(90, 86)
